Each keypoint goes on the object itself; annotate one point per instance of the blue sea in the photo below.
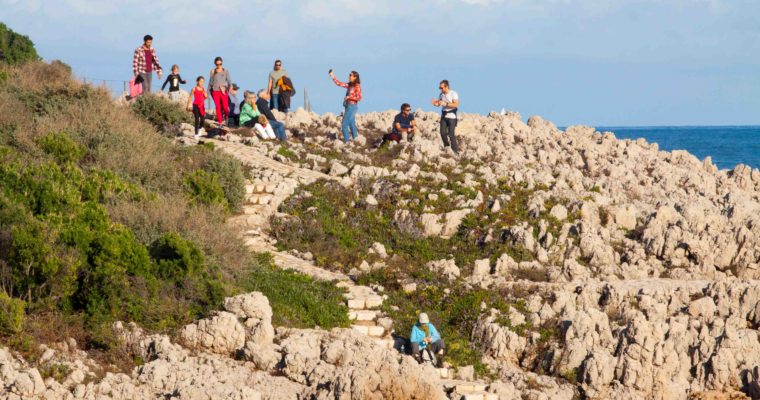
(728, 145)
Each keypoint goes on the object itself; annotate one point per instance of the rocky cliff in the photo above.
(631, 272)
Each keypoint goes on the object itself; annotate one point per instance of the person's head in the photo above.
(424, 319)
(353, 78)
(277, 65)
(444, 86)
(406, 109)
(264, 94)
(199, 81)
(234, 88)
(218, 62)
(262, 120)
(175, 69)
(251, 98)
(148, 40)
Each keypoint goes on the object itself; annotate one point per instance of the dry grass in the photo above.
(150, 218)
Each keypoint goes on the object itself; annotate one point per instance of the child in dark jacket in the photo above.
(173, 80)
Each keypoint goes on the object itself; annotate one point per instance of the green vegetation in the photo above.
(15, 48)
(11, 314)
(298, 300)
(287, 153)
(330, 221)
(163, 113)
(59, 372)
(103, 219)
(204, 188)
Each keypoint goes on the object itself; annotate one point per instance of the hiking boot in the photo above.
(418, 358)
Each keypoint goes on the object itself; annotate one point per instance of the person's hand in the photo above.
(159, 74)
(346, 98)
(436, 102)
(189, 109)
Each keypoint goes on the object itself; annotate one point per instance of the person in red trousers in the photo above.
(218, 84)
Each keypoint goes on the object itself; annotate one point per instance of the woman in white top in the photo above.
(449, 103)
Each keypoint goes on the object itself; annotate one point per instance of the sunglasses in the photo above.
(407, 109)
(218, 63)
(278, 65)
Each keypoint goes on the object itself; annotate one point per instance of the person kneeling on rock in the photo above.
(423, 335)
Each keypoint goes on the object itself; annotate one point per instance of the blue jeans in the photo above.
(274, 101)
(349, 121)
(279, 130)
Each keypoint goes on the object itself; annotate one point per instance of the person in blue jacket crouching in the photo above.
(425, 335)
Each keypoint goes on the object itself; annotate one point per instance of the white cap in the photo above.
(424, 318)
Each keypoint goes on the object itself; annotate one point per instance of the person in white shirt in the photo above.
(449, 103)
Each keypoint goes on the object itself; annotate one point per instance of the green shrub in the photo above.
(12, 314)
(57, 371)
(61, 147)
(204, 188)
(176, 257)
(298, 300)
(230, 175)
(164, 114)
(15, 48)
(52, 101)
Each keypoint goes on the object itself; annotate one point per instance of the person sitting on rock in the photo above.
(423, 335)
(264, 128)
(249, 113)
(279, 127)
(403, 125)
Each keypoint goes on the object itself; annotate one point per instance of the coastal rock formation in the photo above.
(307, 364)
(631, 273)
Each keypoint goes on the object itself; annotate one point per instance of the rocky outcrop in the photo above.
(289, 364)
(642, 339)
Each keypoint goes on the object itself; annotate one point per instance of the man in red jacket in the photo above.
(144, 62)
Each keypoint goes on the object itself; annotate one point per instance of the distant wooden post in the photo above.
(124, 87)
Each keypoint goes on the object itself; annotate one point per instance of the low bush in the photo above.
(164, 114)
(204, 188)
(229, 173)
(12, 314)
(61, 147)
(298, 300)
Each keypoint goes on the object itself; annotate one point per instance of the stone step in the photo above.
(252, 209)
(363, 315)
(369, 330)
(364, 302)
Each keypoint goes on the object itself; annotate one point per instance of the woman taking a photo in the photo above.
(350, 102)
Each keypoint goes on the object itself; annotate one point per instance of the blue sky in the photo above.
(595, 62)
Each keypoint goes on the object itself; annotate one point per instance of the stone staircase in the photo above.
(272, 182)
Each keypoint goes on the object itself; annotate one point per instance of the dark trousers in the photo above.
(435, 347)
(448, 125)
(198, 117)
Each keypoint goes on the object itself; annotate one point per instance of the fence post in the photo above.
(124, 87)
